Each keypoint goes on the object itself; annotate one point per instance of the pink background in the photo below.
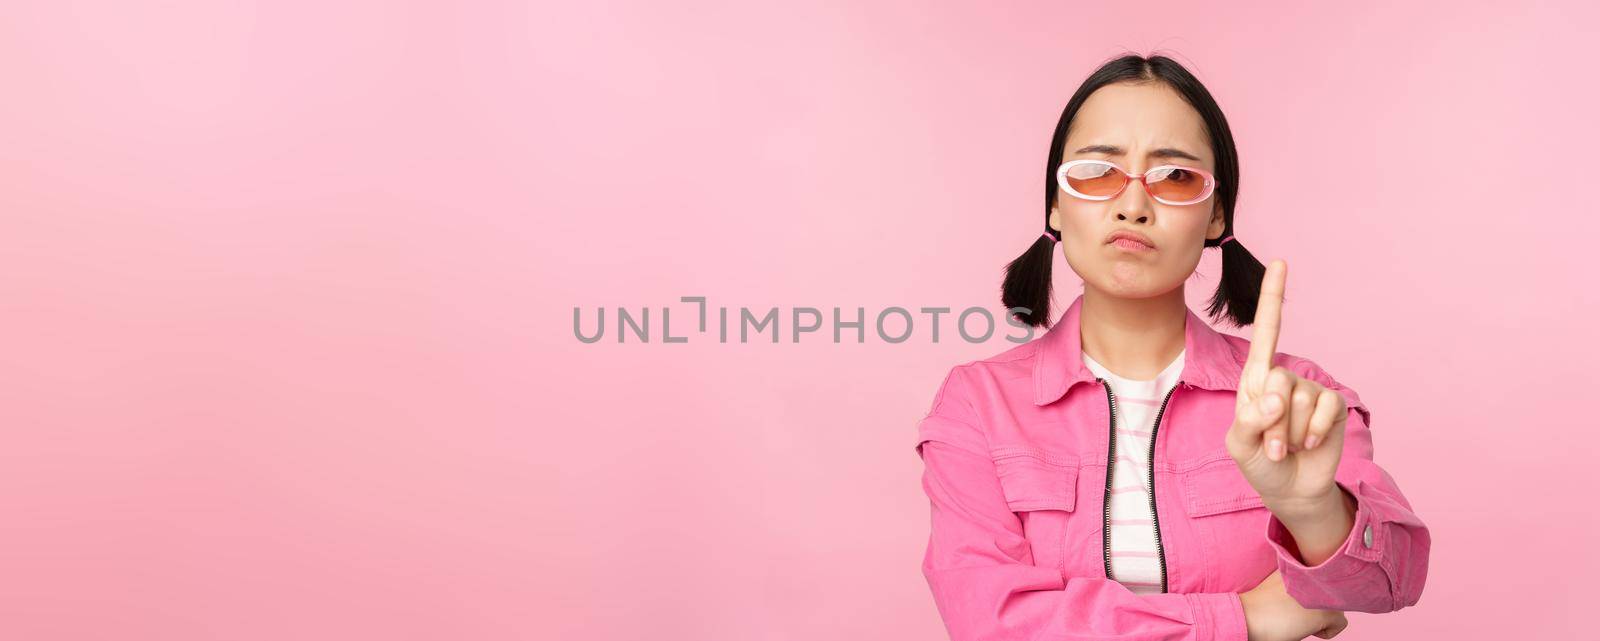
(288, 345)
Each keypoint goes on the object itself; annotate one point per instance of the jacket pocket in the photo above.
(1230, 520)
(1215, 486)
(1036, 480)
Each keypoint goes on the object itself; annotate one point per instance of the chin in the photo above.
(1128, 280)
(1131, 281)
(1122, 290)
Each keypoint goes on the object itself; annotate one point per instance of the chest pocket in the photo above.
(1230, 519)
(1035, 480)
(1216, 486)
(1042, 489)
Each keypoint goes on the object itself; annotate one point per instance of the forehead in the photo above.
(1139, 117)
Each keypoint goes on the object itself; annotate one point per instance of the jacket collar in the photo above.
(1210, 361)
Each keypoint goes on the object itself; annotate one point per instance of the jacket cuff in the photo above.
(1362, 546)
(1218, 616)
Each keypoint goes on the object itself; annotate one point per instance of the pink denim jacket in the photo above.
(1015, 451)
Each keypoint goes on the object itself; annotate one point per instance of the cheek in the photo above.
(1083, 220)
(1079, 235)
(1196, 221)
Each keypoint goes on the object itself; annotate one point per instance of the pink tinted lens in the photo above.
(1095, 179)
(1176, 185)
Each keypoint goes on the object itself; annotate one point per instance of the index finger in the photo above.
(1269, 311)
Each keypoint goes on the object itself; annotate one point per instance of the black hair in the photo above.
(1026, 291)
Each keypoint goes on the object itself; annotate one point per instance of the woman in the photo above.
(1133, 473)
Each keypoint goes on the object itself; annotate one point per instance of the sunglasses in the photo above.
(1102, 180)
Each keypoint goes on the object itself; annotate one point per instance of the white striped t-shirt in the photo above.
(1134, 561)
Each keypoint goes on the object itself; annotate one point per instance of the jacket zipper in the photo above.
(1111, 461)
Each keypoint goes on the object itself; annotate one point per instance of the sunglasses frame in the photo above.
(1128, 177)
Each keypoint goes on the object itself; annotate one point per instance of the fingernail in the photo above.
(1312, 441)
(1275, 449)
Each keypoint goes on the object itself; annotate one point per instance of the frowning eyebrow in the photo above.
(1164, 152)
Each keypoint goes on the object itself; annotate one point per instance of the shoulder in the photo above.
(969, 381)
(969, 388)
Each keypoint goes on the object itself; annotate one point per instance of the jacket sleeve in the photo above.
(979, 564)
(1383, 562)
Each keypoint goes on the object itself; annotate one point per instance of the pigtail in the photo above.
(1026, 291)
(1239, 289)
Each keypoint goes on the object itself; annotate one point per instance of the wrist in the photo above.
(1332, 506)
(1319, 531)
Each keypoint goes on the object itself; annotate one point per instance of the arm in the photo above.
(980, 568)
(1344, 572)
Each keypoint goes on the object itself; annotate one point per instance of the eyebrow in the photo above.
(1164, 152)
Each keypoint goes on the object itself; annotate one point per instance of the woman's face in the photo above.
(1136, 126)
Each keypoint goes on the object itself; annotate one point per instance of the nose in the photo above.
(1134, 203)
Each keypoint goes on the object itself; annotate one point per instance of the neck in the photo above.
(1133, 337)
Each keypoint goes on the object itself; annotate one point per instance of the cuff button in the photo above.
(1366, 536)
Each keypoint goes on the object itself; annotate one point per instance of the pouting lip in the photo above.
(1130, 235)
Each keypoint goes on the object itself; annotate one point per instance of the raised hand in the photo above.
(1287, 432)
